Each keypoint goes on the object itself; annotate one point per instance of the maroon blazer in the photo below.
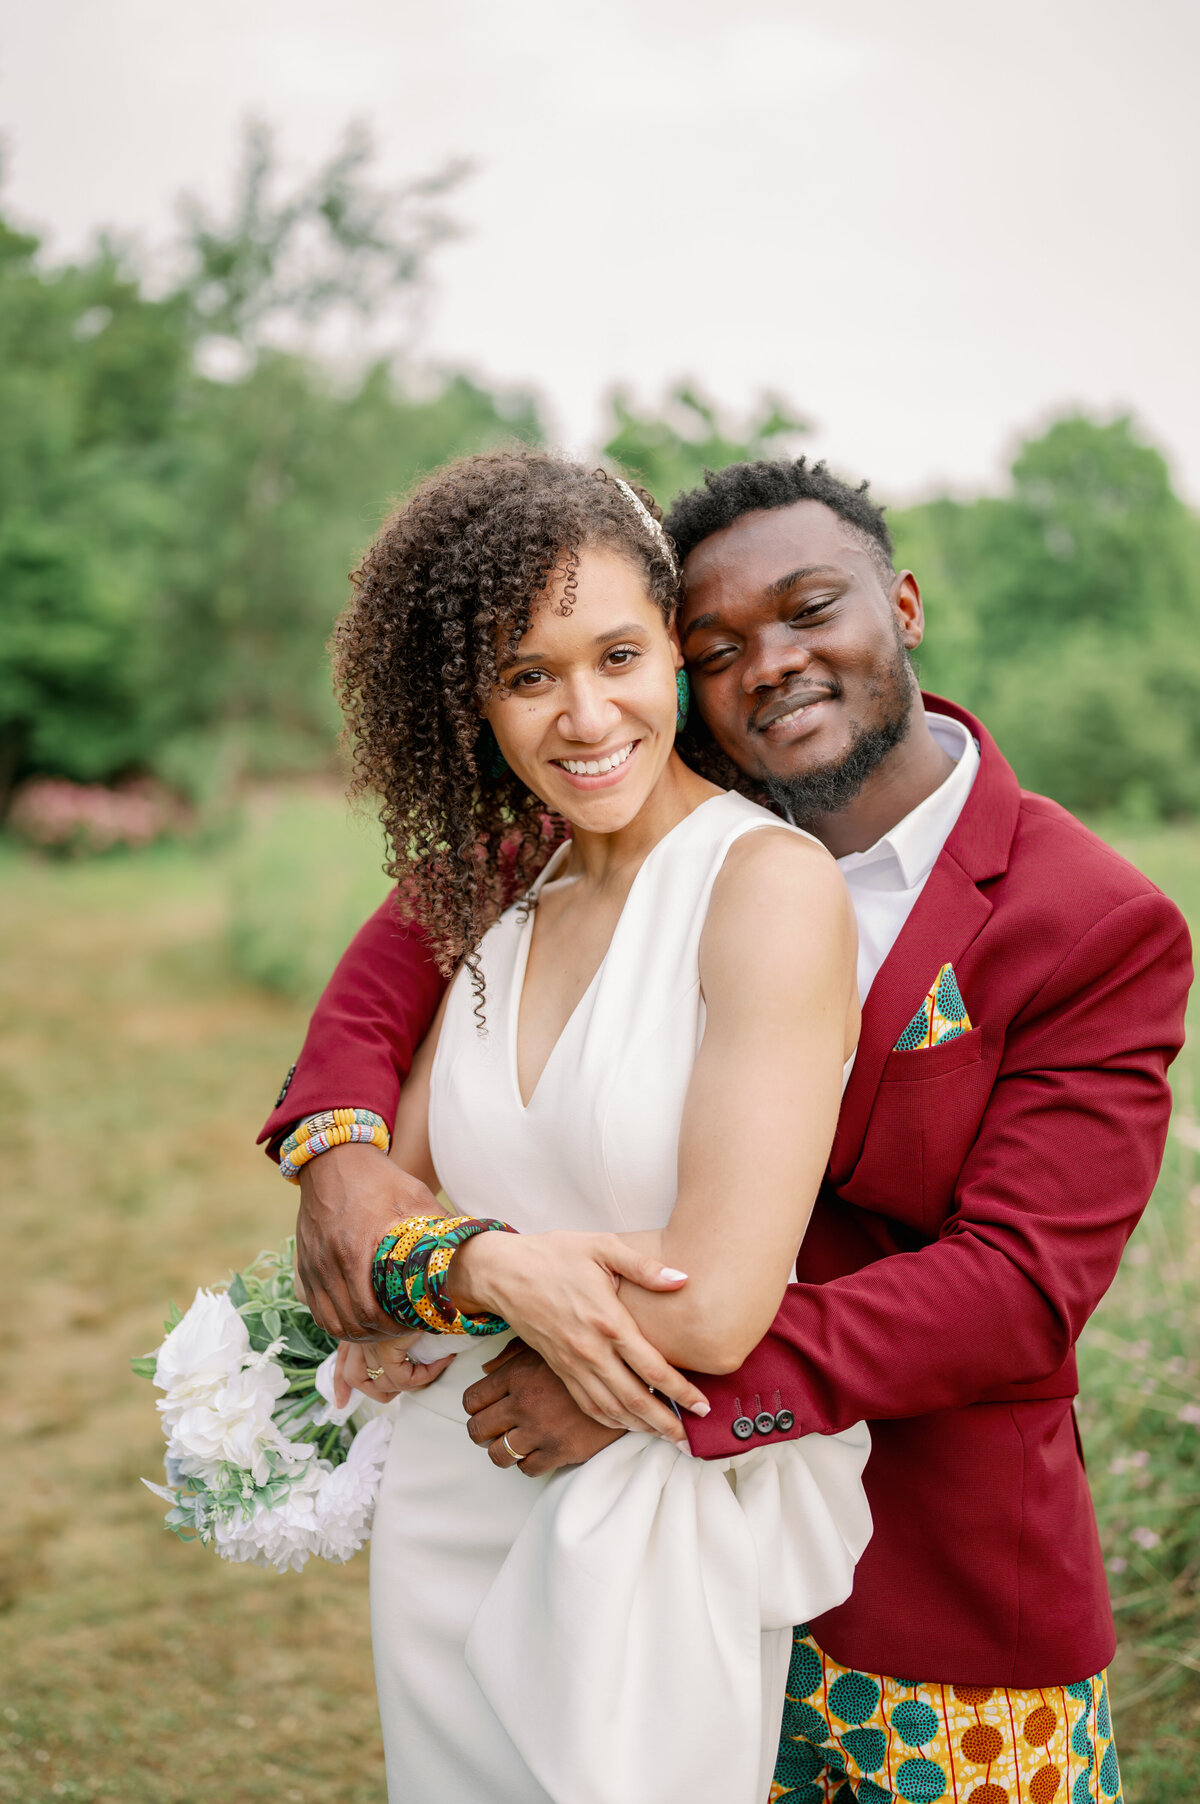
(977, 1202)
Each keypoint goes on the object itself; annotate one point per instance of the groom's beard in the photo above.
(829, 788)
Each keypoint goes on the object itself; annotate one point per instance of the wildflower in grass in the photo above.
(1144, 1537)
(61, 816)
(1129, 1462)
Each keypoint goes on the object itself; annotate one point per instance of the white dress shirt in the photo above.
(885, 880)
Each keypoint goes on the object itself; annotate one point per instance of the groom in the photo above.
(1023, 992)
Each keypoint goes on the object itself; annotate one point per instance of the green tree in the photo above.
(287, 478)
(90, 376)
(174, 548)
(1071, 614)
(671, 450)
(334, 242)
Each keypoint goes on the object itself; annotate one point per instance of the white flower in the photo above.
(1145, 1537)
(234, 1428)
(326, 1511)
(282, 1534)
(201, 1352)
(262, 1538)
(235, 1476)
(346, 1501)
(1190, 1413)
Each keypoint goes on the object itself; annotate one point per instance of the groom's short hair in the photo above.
(776, 482)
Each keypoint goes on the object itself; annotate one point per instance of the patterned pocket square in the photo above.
(942, 1016)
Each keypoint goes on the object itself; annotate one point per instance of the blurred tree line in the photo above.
(174, 542)
(186, 476)
(1067, 614)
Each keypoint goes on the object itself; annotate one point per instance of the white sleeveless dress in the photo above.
(617, 1632)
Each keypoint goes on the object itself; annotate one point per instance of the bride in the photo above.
(638, 1067)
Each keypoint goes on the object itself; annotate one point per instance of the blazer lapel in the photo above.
(950, 913)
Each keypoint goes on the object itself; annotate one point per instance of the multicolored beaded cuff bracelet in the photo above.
(408, 1273)
(333, 1127)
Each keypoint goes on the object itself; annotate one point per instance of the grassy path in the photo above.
(136, 1069)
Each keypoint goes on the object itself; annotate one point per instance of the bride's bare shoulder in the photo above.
(778, 888)
(773, 853)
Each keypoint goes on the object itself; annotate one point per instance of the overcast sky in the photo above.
(927, 224)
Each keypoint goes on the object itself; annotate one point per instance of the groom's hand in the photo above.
(559, 1292)
(349, 1197)
(522, 1398)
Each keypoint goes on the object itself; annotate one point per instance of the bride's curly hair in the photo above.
(441, 598)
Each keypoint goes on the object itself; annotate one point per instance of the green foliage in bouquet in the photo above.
(264, 1295)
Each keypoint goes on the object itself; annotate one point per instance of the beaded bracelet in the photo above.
(332, 1127)
(408, 1273)
(387, 1267)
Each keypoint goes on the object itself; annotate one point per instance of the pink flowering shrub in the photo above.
(82, 818)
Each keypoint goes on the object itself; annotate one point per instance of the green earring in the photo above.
(489, 759)
(683, 699)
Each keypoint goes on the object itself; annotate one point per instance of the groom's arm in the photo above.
(1064, 1163)
(373, 1014)
(375, 1011)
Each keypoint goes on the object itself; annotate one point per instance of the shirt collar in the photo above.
(916, 841)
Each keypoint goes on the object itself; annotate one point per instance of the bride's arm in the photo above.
(621, 1402)
(778, 974)
(777, 971)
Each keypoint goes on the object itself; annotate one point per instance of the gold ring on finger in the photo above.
(517, 1456)
(376, 1372)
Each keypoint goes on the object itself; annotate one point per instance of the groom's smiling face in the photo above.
(796, 635)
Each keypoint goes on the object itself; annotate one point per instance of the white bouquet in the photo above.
(260, 1463)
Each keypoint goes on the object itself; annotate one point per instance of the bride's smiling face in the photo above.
(584, 713)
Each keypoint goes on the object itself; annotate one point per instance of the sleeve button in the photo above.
(784, 1421)
(743, 1427)
(765, 1423)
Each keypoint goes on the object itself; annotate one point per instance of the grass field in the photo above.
(138, 1060)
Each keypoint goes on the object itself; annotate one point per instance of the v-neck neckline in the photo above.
(521, 963)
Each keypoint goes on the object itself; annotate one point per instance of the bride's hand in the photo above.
(357, 1361)
(559, 1291)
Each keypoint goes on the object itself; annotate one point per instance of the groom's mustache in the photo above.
(800, 695)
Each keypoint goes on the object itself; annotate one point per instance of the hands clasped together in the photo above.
(580, 1372)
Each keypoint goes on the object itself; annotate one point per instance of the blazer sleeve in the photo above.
(373, 1014)
(1067, 1154)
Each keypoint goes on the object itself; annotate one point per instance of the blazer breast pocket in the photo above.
(922, 1125)
(934, 1061)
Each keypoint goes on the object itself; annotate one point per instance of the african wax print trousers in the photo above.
(851, 1736)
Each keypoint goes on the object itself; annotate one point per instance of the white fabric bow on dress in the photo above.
(659, 1585)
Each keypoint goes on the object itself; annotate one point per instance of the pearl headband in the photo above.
(651, 524)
